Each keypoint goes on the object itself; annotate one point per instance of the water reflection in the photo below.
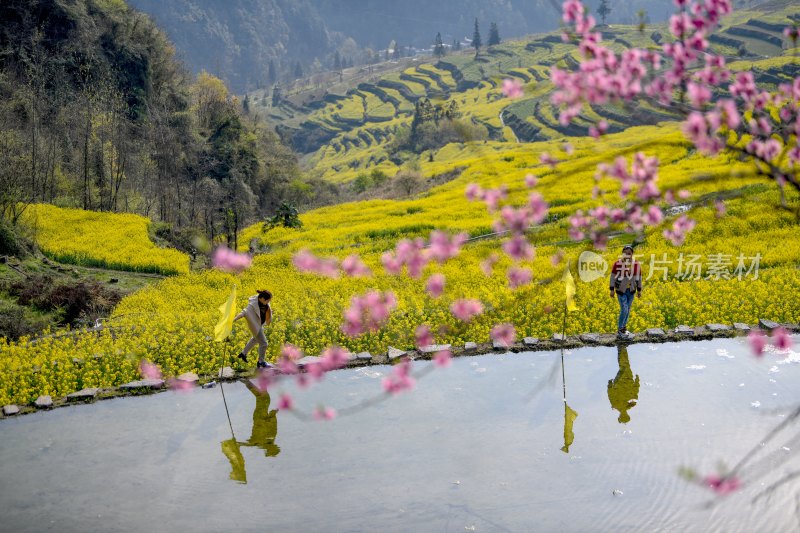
(262, 435)
(623, 390)
(569, 414)
(569, 434)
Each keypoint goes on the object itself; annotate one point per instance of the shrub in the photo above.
(16, 321)
(378, 176)
(362, 183)
(407, 182)
(82, 300)
(11, 243)
(286, 216)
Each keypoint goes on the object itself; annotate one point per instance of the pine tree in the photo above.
(276, 95)
(604, 9)
(494, 35)
(272, 74)
(456, 45)
(246, 104)
(476, 38)
(298, 70)
(337, 61)
(438, 46)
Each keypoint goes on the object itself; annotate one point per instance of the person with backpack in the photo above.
(626, 282)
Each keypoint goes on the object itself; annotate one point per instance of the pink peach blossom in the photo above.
(435, 285)
(518, 248)
(781, 339)
(305, 261)
(518, 277)
(324, 413)
(722, 485)
(334, 357)
(228, 260)
(488, 264)
(512, 88)
(443, 358)
(285, 403)
(354, 267)
(474, 191)
(757, 341)
(505, 334)
(466, 309)
(400, 379)
(148, 370)
(423, 336)
(443, 248)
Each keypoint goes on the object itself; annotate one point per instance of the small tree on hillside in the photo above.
(604, 9)
(438, 46)
(456, 45)
(286, 216)
(476, 38)
(276, 95)
(494, 35)
(272, 73)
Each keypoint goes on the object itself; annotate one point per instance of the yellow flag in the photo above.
(225, 324)
(570, 288)
(231, 450)
(569, 421)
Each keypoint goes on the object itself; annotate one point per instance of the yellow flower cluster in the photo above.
(108, 240)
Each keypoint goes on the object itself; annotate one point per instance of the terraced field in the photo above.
(348, 132)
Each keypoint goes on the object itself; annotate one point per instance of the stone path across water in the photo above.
(528, 344)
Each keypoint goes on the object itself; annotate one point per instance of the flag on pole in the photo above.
(569, 420)
(234, 454)
(570, 288)
(228, 310)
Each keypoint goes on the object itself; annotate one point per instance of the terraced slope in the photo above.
(346, 131)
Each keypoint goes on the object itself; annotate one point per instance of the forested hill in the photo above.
(238, 39)
(96, 112)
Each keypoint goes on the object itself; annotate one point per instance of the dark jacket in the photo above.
(626, 276)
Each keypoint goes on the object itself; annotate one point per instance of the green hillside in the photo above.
(348, 128)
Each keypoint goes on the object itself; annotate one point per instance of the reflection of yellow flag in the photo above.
(231, 450)
(570, 287)
(569, 420)
(225, 324)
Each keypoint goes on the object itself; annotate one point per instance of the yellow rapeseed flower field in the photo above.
(109, 240)
(171, 323)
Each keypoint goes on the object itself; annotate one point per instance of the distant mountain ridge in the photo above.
(237, 39)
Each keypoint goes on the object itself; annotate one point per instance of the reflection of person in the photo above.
(257, 314)
(623, 390)
(262, 436)
(625, 281)
(265, 423)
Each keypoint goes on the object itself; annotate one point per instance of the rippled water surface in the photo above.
(468, 448)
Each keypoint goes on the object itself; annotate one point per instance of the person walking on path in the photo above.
(626, 282)
(258, 314)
